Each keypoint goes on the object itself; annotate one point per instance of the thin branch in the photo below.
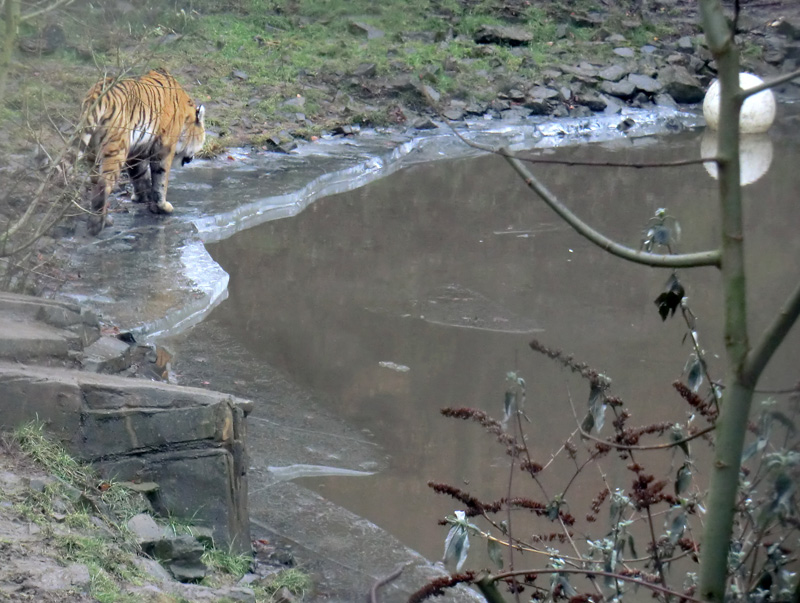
(703, 258)
(700, 433)
(46, 9)
(773, 336)
(777, 81)
(589, 572)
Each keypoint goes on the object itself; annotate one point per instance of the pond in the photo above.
(422, 290)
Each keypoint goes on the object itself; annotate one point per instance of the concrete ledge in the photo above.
(188, 440)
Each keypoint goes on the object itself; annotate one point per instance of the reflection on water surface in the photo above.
(422, 290)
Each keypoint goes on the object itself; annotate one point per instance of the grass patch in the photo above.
(227, 563)
(296, 581)
(33, 441)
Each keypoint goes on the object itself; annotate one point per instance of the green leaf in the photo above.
(495, 552)
(676, 435)
(509, 405)
(588, 423)
(677, 527)
(683, 479)
(632, 546)
(456, 546)
(597, 406)
(694, 373)
(783, 420)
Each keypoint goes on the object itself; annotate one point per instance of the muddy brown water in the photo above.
(422, 290)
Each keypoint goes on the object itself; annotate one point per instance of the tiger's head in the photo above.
(193, 135)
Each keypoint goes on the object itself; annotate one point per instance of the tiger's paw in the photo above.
(165, 207)
(96, 224)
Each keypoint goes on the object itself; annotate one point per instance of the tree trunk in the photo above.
(11, 19)
(735, 408)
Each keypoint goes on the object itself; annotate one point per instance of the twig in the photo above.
(769, 84)
(700, 433)
(589, 572)
(686, 260)
(381, 582)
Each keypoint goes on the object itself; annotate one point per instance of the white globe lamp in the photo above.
(758, 111)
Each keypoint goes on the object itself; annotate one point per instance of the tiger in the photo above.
(142, 124)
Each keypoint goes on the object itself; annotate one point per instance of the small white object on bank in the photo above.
(758, 111)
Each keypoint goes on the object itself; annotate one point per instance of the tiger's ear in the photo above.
(200, 116)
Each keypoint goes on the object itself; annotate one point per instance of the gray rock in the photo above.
(475, 108)
(144, 529)
(75, 576)
(793, 51)
(284, 596)
(594, 102)
(789, 27)
(516, 113)
(424, 123)
(583, 70)
(613, 106)
(685, 43)
(648, 49)
(58, 316)
(616, 39)
(187, 572)
(580, 111)
(678, 58)
(644, 83)
(508, 35)
(38, 484)
(401, 84)
(365, 70)
(153, 569)
(613, 73)
(297, 102)
(623, 89)
(453, 114)
(179, 548)
(681, 85)
(360, 28)
(190, 441)
(538, 106)
(240, 75)
(665, 100)
(623, 51)
(500, 104)
(587, 19)
(426, 37)
(107, 355)
(542, 93)
(429, 91)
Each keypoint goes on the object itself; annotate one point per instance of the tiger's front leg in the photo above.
(159, 172)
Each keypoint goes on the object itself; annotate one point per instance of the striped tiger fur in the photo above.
(140, 124)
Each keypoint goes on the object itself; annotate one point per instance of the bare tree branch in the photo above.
(772, 338)
(777, 81)
(687, 260)
(46, 9)
(589, 572)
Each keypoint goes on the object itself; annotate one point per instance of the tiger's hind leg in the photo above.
(140, 178)
(104, 182)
